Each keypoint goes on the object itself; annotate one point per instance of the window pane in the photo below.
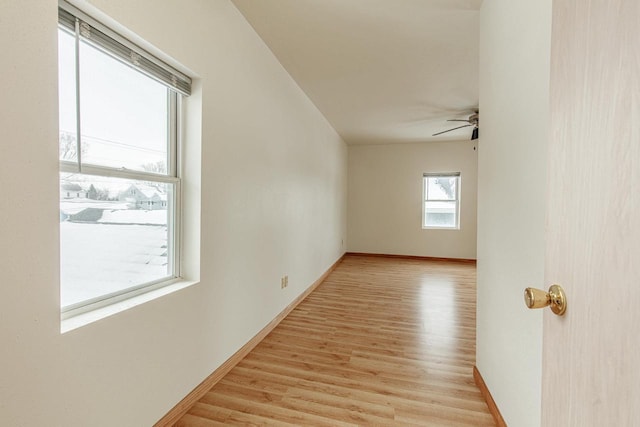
(440, 214)
(67, 95)
(124, 114)
(114, 234)
(441, 188)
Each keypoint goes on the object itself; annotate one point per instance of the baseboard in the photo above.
(185, 404)
(493, 408)
(416, 257)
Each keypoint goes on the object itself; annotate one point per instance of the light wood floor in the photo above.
(383, 341)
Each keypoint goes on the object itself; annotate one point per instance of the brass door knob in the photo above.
(537, 298)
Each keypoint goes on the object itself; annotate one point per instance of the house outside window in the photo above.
(119, 110)
(441, 200)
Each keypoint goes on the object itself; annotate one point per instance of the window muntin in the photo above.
(441, 201)
(119, 188)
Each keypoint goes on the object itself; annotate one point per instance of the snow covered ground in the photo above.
(124, 248)
(73, 206)
(134, 216)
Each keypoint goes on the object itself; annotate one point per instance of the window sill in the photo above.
(440, 228)
(84, 319)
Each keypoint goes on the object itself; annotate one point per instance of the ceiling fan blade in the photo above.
(458, 120)
(449, 130)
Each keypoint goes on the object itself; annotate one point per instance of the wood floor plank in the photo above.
(382, 341)
(191, 420)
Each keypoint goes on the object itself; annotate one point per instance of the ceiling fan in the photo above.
(473, 120)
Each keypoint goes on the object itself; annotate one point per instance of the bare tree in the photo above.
(156, 167)
(69, 146)
(447, 185)
(97, 193)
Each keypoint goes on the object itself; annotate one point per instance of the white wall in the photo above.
(514, 96)
(273, 202)
(385, 199)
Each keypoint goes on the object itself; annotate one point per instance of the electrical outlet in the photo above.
(282, 285)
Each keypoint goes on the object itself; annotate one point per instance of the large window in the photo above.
(119, 110)
(441, 200)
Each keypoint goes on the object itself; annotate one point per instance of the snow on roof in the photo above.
(147, 190)
(113, 187)
(71, 186)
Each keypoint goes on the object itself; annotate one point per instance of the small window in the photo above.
(441, 207)
(119, 111)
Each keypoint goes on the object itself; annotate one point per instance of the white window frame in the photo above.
(177, 84)
(425, 199)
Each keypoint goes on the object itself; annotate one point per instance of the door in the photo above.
(591, 355)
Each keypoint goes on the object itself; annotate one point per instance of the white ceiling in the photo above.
(381, 71)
